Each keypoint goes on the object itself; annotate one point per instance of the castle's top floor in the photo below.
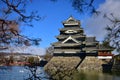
(71, 21)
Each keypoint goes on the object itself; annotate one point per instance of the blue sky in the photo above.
(53, 13)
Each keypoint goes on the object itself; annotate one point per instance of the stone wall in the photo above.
(62, 62)
(60, 66)
(116, 68)
(88, 63)
(91, 63)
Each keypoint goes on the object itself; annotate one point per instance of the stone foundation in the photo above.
(116, 68)
(61, 66)
(91, 63)
(62, 62)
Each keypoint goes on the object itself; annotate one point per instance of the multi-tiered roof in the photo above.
(73, 40)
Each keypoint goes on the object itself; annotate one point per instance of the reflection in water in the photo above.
(96, 76)
(6, 68)
(22, 73)
(37, 73)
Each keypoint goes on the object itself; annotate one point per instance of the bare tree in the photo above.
(84, 6)
(35, 74)
(113, 30)
(10, 26)
(49, 53)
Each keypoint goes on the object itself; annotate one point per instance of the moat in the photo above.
(21, 73)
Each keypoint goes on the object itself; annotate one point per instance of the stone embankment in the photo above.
(116, 68)
(62, 62)
(61, 67)
(92, 63)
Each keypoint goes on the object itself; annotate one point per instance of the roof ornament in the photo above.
(71, 18)
(70, 38)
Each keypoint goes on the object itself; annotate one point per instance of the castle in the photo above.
(74, 50)
(72, 40)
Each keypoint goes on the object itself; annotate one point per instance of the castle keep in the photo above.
(72, 40)
(75, 50)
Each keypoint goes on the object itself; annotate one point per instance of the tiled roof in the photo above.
(90, 39)
(71, 20)
(71, 28)
(101, 47)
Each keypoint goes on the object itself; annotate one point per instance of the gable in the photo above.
(70, 40)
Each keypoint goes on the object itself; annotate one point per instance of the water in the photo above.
(96, 76)
(24, 73)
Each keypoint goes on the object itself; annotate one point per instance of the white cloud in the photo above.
(95, 25)
(32, 50)
(35, 50)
